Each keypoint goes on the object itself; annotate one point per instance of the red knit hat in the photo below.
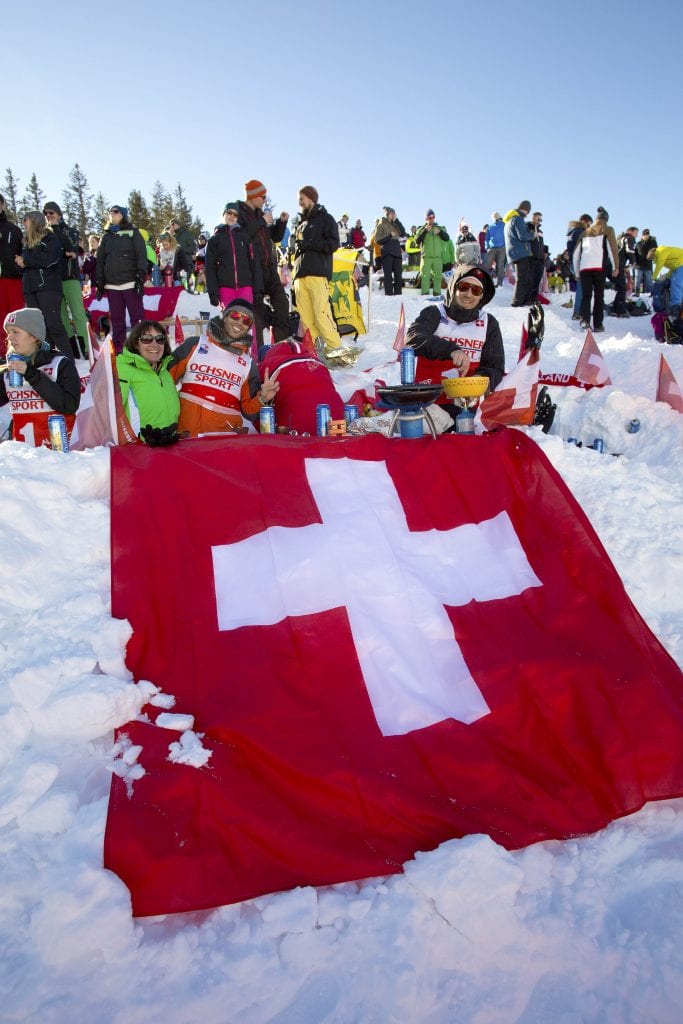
(253, 189)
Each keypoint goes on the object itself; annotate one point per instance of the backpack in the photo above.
(660, 295)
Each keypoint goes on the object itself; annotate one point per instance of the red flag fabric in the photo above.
(369, 673)
(101, 418)
(307, 343)
(178, 333)
(159, 304)
(668, 388)
(591, 366)
(523, 341)
(565, 380)
(94, 346)
(513, 403)
(400, 339)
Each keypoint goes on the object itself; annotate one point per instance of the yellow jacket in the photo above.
(668, 257)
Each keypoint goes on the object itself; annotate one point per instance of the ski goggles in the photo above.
(244, 317)
(466, 286)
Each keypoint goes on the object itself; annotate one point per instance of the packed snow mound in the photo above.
(580, 931)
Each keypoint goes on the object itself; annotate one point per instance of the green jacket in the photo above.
(155, 400)
(432, 245)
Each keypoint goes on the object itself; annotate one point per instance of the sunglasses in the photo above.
(465, 286)
(244, 317)
(149, 339)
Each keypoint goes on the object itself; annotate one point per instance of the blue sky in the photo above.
(465, 108)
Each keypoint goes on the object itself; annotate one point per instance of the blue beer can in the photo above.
(56, 428)
(464, 422)
(14, 379)
(407, 366)
(322, 419)
(634, 426)
(599, 445)
(266, 419)
(350, 414)
(572, 440)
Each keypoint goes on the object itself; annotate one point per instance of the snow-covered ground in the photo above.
(581, 932)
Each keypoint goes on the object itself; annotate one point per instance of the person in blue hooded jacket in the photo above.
(518, 236)
(495, 247)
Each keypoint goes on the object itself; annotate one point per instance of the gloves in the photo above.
(139, 286)
(99, 294)
(160, 437)
(545, 411)
(213, 298)
(535, 326)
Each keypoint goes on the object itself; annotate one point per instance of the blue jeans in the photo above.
(578, 295)
(676, 293)
(643, 280)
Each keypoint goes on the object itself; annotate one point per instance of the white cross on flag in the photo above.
(591, 367)
(668, 388)
(383, 644)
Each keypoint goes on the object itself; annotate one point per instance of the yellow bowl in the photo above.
(464, 387)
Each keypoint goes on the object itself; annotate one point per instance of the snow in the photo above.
(580, 932)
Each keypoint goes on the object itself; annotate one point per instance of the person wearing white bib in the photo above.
(219, 385)
(49, 381)
(458, 334)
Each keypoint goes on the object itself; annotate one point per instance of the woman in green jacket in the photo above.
(149, 394)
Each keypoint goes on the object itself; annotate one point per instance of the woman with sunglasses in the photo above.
(149, 394)
(220, 389)
(458, 334)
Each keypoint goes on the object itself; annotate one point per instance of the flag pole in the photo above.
(369, 290)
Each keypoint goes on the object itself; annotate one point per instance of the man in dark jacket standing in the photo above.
(626, 243)
(317, 237)
(185, 241)
(643, 271)
(388, 235)
(263, 232)
(518, 235)
(72, 303)
(537, 254)
(11, 292)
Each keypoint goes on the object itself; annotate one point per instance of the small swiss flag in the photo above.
(400, 339)
(513, 403)
(668, 388)
(591, 367)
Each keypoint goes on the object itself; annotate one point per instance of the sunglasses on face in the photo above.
(244, 317)
(476, 289)
(149, 339)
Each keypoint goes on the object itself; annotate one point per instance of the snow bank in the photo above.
(582, 931)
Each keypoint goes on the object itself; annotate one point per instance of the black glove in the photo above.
(545, 411)
(99, 294)
(139, 286)
(535, 326)
(213, 298)
(160, 437)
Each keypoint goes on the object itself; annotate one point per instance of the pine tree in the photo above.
(33, 198)
(77, 202)
(100, 214)
(138, 211)
(182, 211)
(161, 209)
(10, 190)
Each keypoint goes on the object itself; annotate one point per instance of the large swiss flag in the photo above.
(384, 644)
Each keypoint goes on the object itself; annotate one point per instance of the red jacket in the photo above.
(304, 383)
